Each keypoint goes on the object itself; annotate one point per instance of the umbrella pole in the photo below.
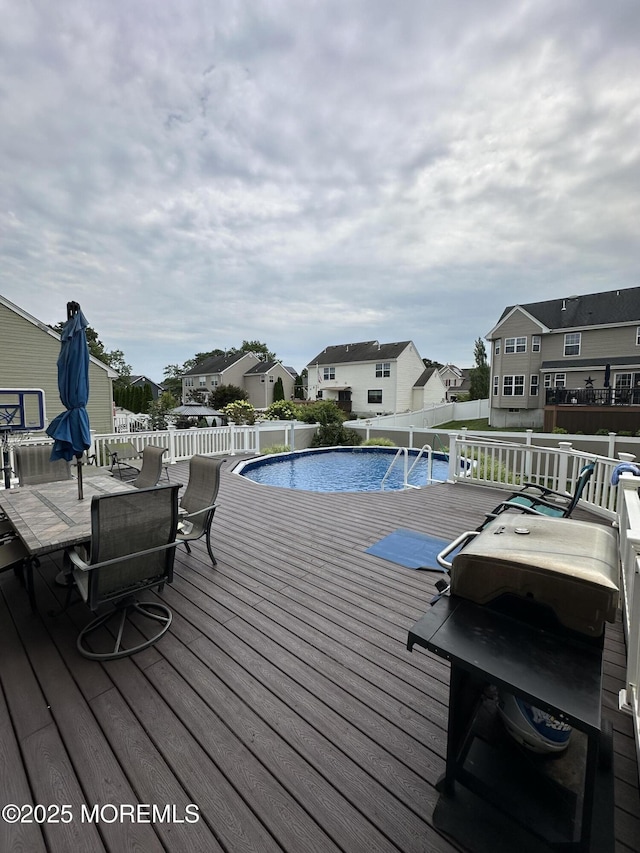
(79, 468)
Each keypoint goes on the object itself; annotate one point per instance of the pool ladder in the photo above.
(403, 453)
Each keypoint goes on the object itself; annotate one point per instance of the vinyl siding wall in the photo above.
(28, 359)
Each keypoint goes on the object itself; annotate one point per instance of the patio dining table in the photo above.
(49, 516)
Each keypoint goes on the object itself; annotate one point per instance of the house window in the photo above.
(572, 343)
(496, 347)
(638, 336)
(533, 386)
(623, 380)
(374, 396)
(513, 386)
(496, 386)
(188, 383)
(535, 343)
(547, 380)
(202, 381)
(560, 380)
(214, 383)
(383, 369)
(329, 373)
(512, 345)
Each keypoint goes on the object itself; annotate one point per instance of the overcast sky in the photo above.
(314, 173)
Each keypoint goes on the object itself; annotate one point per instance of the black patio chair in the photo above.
(34, 465)
(133, 542)
(199, 501)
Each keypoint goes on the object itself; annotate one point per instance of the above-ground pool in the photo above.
(342, 469)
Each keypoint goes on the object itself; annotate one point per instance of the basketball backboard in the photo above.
(22, 410)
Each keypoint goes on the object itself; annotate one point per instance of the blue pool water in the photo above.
(346, 469)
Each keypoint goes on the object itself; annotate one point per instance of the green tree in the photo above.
(260, 349)
(479, 374)
(160, 408)
(114, 358)
(298, 391)
(278, 390)
(225, 394)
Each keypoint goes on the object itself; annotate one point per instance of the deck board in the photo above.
(283, 702)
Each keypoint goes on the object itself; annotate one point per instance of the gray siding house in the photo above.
(577, 349)
(245, 370)
(29, 352)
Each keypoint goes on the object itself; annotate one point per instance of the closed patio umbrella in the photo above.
(70, 429)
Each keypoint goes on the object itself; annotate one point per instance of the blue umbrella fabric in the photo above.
(70, 429)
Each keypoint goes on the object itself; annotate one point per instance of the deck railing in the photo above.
(629, 530)
(508, 466)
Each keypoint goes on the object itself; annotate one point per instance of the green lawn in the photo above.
(478, 425)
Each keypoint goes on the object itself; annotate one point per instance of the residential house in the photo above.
(369, 378)
(574, 351)
(141, 381)
(244, 370)
(259, 382)
(29, 352)
(456, 381)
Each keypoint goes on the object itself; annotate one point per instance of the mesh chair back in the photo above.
(34, 466)
(151, 467)
(583, 479)
(202, 490)
(127, 522)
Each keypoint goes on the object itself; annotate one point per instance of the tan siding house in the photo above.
(29, 352)
(567, 344)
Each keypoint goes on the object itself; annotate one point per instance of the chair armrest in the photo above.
(185, 516)
(83, 566)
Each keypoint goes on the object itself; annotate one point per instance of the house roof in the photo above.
(596, 362)
(362, 351)
(611, 307)
(215, 364)
(261, 367)
(424, 377)
(142, 378)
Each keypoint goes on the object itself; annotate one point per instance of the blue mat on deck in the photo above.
(410, 549)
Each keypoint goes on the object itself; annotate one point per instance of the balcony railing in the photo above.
(592, 397)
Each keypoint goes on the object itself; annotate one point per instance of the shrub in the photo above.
(559, 430)
(240, 412)
(602, 432)
(335, 435)
(378, 441)
(282, 410)
(321, 412)
(275, 448)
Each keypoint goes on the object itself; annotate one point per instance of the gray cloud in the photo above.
(311, 174)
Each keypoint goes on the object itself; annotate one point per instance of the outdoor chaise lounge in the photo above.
(538, 500)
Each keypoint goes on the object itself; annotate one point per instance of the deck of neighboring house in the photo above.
(283, 703)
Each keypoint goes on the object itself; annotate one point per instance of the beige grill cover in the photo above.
(571, 566)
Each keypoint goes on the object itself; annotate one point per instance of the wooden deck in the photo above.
(283, 703)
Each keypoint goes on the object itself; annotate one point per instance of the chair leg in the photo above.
(151, 610)
(208, 540)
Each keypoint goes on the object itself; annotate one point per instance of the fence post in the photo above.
(256, 430)
(172, 444)
(232, 429)
(410, 435)
(453, 457)
(563, 465)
